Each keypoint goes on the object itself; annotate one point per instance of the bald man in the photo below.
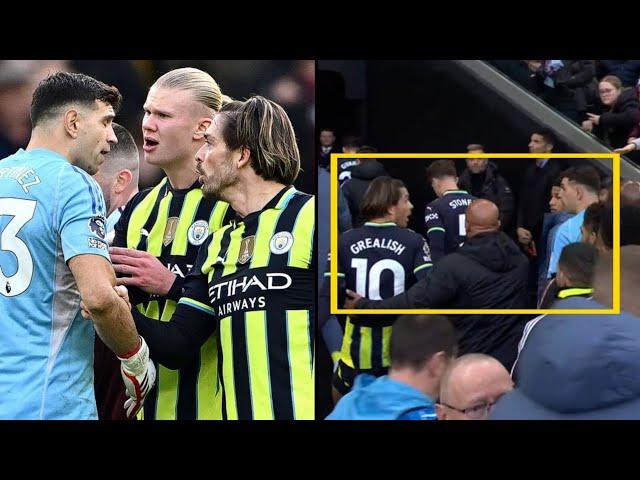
(118, 179)
(118, 176)
(487, 272)
(470, 387)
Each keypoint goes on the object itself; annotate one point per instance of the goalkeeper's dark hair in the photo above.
(61, 89)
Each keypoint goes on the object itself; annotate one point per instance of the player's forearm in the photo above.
(175, 343)
(397, 302)
(114, 325)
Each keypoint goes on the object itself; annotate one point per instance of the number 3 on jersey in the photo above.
(22, 211)
(374, 274)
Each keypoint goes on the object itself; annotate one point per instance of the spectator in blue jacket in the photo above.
(579, 189)
(422, 346)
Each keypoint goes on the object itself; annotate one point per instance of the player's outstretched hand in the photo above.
(352, 299)
(143, 270)
(139, 375)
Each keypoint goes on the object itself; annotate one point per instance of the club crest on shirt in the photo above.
(281, 242)
(97, 226)
(246, 249)
(170, 230)
(198, 232)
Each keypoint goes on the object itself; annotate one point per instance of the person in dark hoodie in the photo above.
(422, 347)
(361, 176)
(487, 272)
(617, 113)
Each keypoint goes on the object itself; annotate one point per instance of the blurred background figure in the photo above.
(288, 82)
(361, 176)
(118, 176)
(18, 80)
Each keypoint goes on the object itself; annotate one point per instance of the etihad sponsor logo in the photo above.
(253, 303)
(273, 281)
(175, 269)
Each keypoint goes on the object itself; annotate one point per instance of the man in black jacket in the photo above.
(536, 188)
(533, 201)
(487, 272)
(327, 147)
(482, 180)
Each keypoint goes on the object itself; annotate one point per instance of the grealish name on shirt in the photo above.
(389, 244)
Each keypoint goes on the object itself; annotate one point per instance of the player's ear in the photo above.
(579, 192)
(245, 156)
(71, 122)
(123, 179)
(391, 210)
(203, 124)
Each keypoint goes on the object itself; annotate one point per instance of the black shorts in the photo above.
(344, 376)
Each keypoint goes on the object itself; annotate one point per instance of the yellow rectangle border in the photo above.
(615, 157)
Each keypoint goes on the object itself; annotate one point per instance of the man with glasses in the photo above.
(471, 386)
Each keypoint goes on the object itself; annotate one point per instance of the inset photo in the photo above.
(157, 240)
(468, 209)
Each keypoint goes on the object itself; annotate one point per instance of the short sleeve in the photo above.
(81, 215)
(422, 258)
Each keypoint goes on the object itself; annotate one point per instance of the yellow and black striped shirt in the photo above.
(171, 225)
(256, 277)
(377, 260)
